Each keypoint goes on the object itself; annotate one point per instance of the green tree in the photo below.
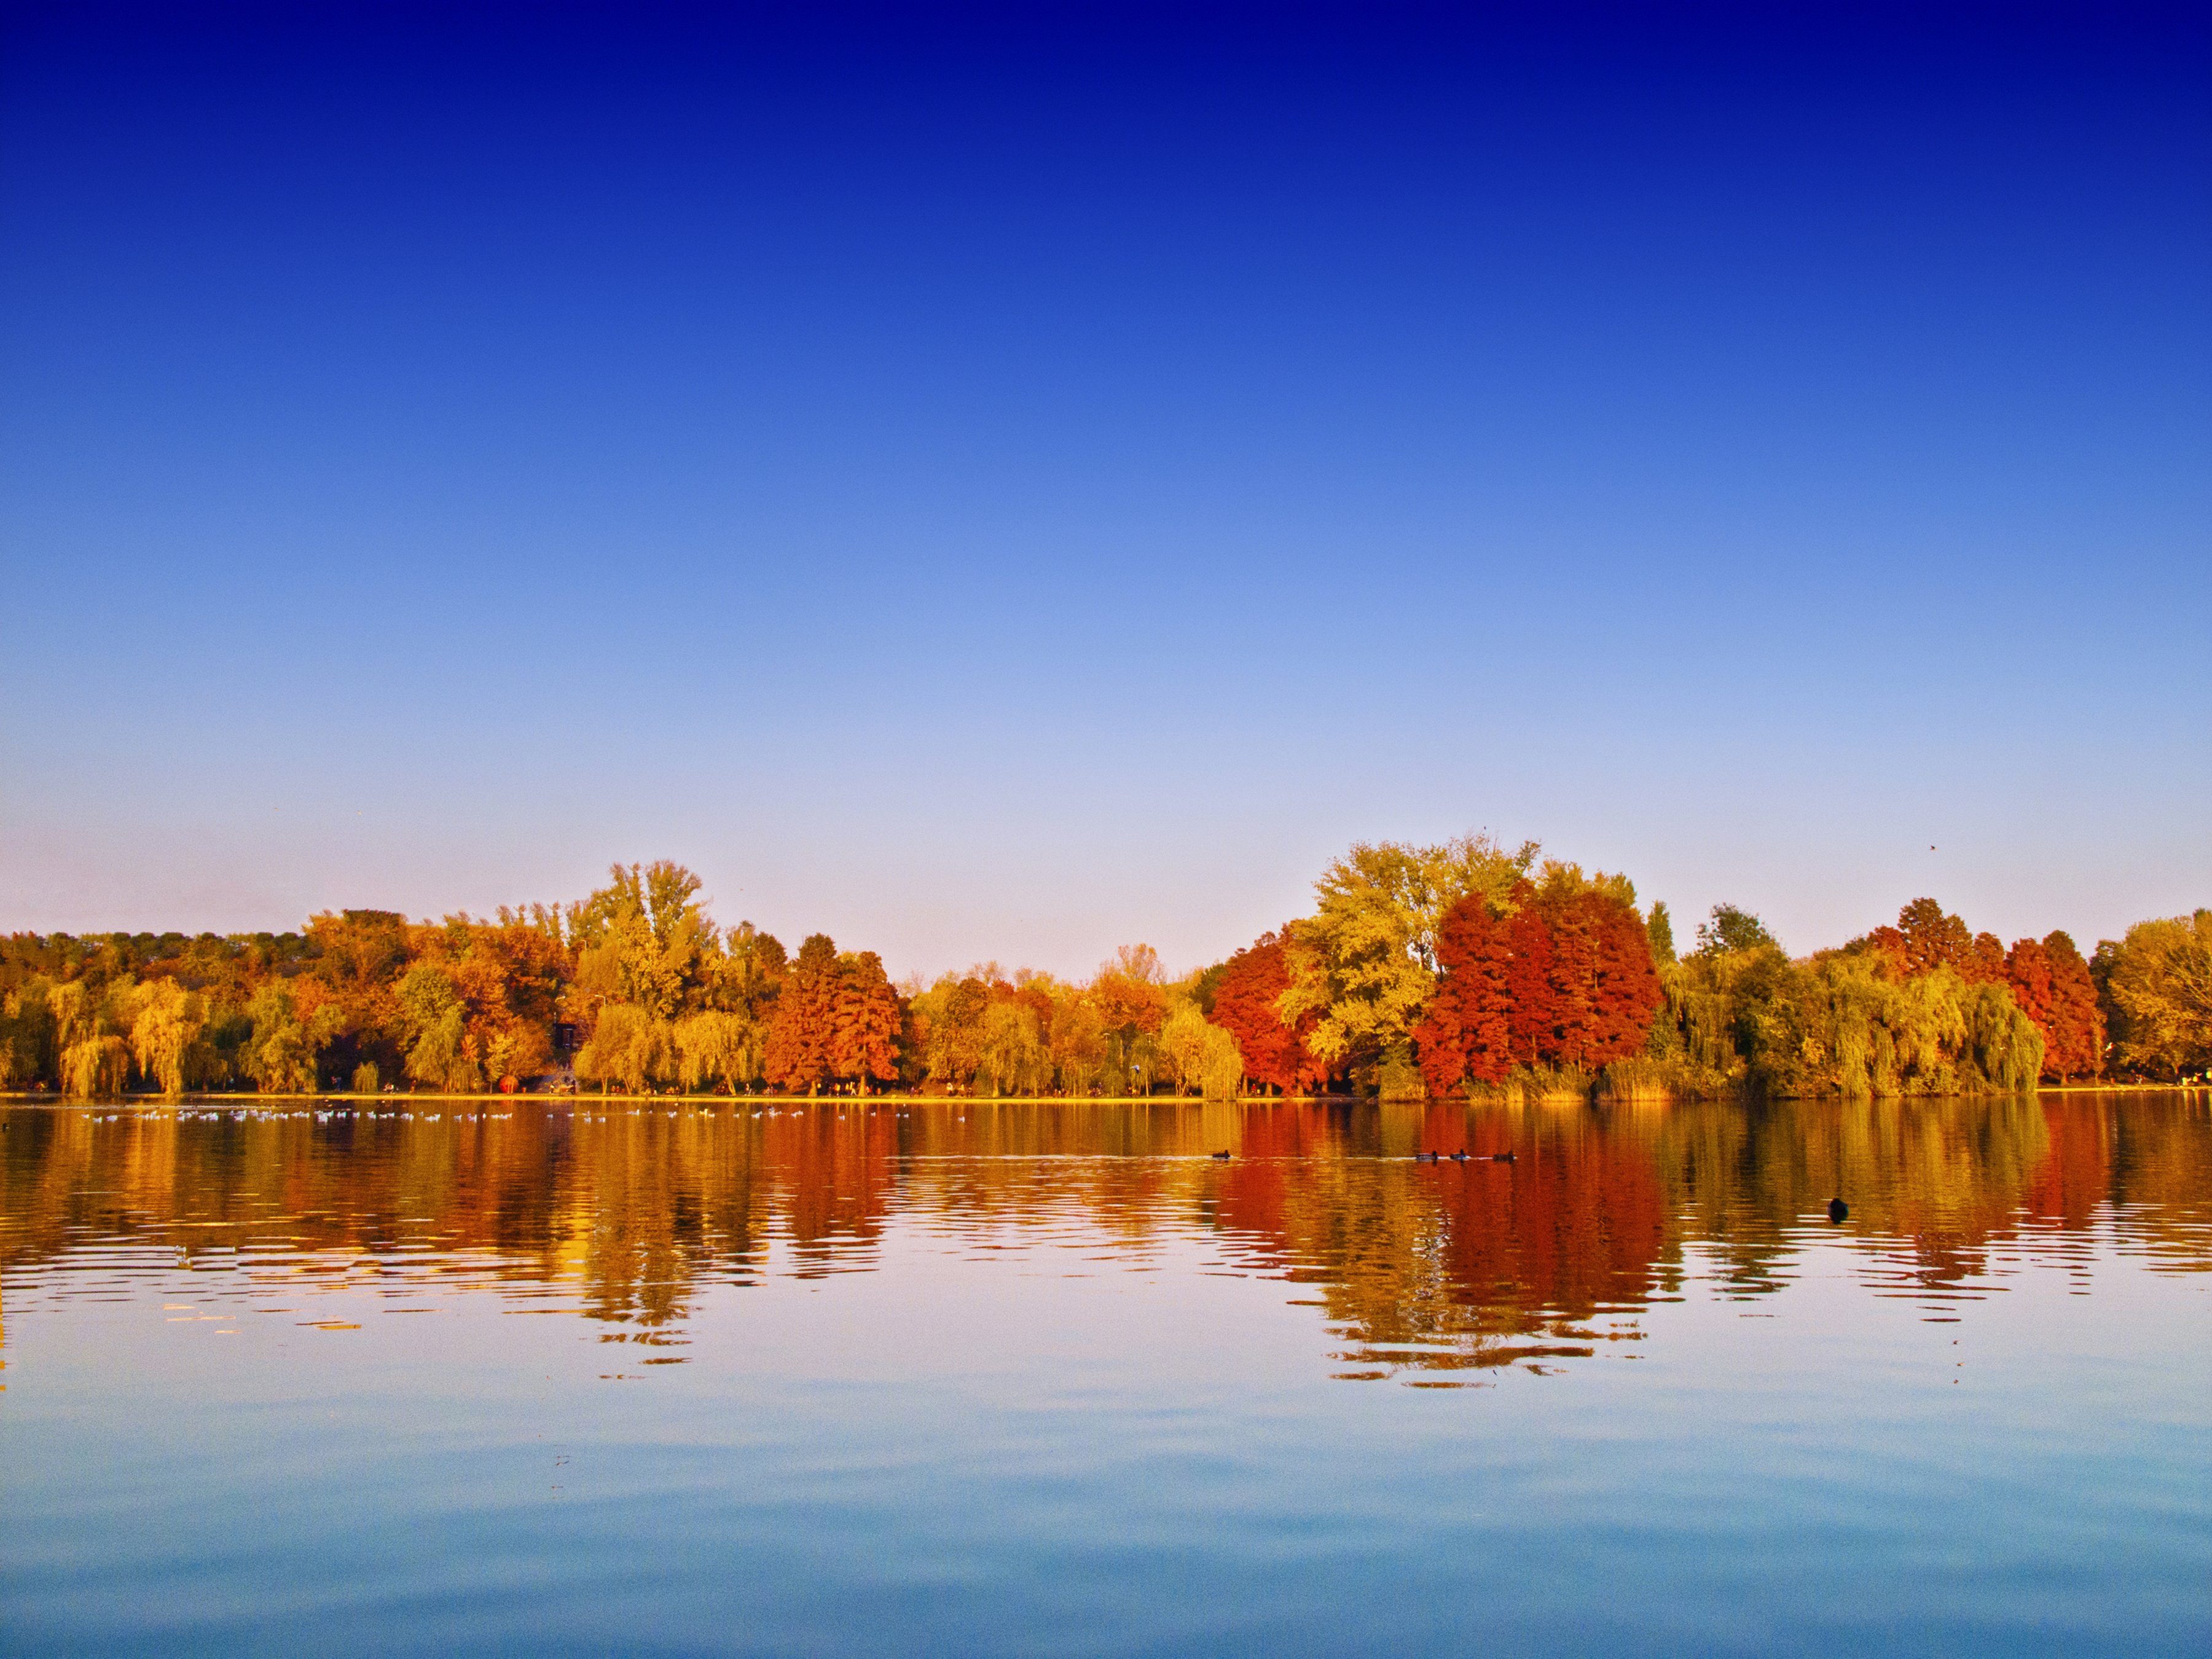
(954, 1012)
(1731, 929)
(280, 1056)
(436, 1015)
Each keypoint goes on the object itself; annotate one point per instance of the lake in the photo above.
(895, 1378)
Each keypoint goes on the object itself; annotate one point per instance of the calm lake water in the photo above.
(977, 1379)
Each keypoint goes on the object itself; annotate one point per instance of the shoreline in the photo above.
(156, 1103)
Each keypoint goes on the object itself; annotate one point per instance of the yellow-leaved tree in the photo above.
(166, 1021)
(1364, 963)
(2157, 983)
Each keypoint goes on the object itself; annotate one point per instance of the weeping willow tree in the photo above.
(628, 1048)
(91, 1055)
(26, 1030)
(715, 1045)
(1202, 1055)
(1843, 1022)
(165, 1023)
(1933, 1033)
(1013, 1058)
(95, 1064)
(1221, 1071)
(1694, 1043)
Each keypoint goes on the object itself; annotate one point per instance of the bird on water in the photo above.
(1501, 1157)
(1837, 1211)
(1221, 1158)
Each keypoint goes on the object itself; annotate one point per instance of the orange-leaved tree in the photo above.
(802, 1037)
(863, 1021)
(2051, 984)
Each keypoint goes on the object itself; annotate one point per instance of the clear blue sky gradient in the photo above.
(1003, 484)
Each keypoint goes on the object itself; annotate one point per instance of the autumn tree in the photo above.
(2157, 986)
(1927, 936)
(2051, 984)
(1248, 993)
(1466, 1033)
(1566, 979)
(1202, 1056)
(1364, 964)
(360, 957)
(865, 1021)
(1130, 996)
(280, 1056)
(2075, 1032)
(1530, 983)
(1082, 1055)
(1624, 988)
(166, 1022)
(800, 1050)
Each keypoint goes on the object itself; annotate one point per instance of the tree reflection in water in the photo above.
(624, 1212)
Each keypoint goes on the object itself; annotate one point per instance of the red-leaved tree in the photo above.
(1244, 1006)
(1466, 1034)
(1567, 981)
(1627, 992)
(1531, 1024)
(2051, 984)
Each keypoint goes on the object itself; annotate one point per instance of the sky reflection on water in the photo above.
(930, 1376)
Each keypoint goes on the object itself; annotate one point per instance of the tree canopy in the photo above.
(1458, 966)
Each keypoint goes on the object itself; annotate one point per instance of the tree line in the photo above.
(1465, 968)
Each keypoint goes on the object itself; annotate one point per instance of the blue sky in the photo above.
(1002, 484)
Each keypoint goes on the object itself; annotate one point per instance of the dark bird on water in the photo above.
(1221, 1158)
(1460, 1156)
(1838, 1210)
(1425, 1157)
(1501, 1157)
